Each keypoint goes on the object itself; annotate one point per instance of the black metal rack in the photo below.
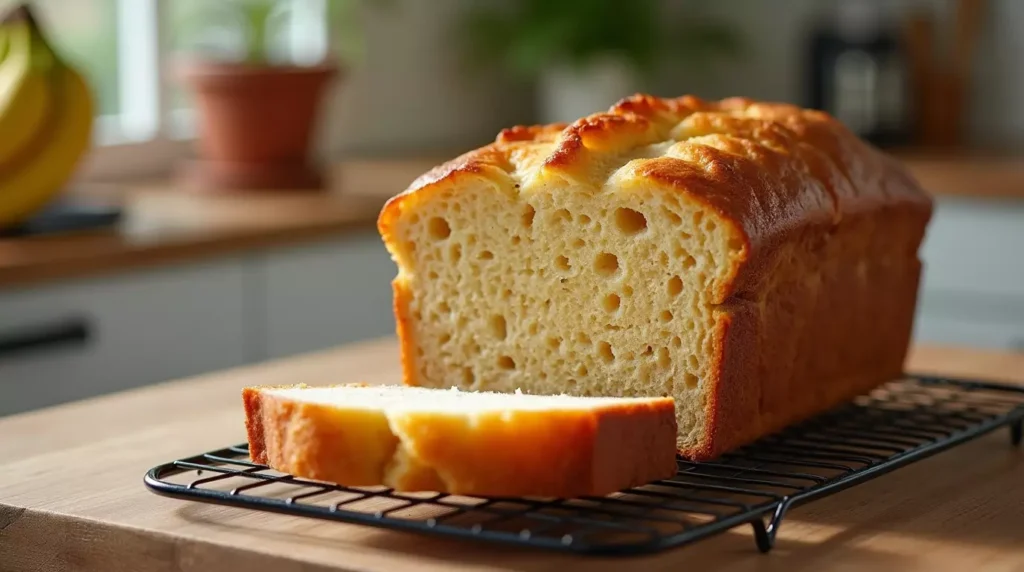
(897, 424)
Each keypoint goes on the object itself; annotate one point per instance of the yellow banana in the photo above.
(35, 180)
(25, 97)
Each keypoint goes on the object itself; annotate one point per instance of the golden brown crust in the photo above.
(546, 453)
(803, 193)
(801, 166)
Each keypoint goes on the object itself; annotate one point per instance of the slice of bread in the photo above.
(482, 444)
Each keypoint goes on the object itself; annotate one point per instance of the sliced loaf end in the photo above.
(483, 444)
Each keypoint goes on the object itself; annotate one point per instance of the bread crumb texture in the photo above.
(755, 261)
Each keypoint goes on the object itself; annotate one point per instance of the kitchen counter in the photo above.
(163, 224)
(71, 494)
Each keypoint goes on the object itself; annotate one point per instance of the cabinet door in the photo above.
(66, 342)
(975, 247)
(327, 294)
(973, 319)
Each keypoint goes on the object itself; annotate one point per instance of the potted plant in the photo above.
(256, 103)
(587, 54)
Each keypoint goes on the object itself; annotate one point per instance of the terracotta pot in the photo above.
(256, 124)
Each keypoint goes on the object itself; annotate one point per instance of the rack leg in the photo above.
(1017, 432)
(761, 536)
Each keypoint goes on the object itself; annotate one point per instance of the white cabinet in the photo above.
(71, 341)
(973, 288)
(326, 294)
(64, 342)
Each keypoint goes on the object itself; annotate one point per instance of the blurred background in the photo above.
(210, 200)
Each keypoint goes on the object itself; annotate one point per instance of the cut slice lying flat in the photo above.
(472, 443)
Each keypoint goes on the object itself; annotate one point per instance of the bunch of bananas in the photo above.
(46, 115)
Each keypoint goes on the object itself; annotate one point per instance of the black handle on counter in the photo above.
(59, 333)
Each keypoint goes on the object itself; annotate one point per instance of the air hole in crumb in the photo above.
(410, 246)
(735, 244)
(606, 264)
(648, 351)
(562, 263)
(578, 243)
(445, 338)
(438, 228)
(506, 362)
(432, 275)
(468, 377)
(664, 361)
(498, 327)
(697, 217)
(690, 380)
(486, 255)
(711, 226)
(516, 239)
(689, 261)
(533, 328)
(562, 215)
(675, 286)
(627, 291)
(604, 349)
(443, 307)
(673, 217)
(665, 316)
(663, 258)
(692, 361)
(611, 302)
(583, 219)
(414, 218)
(554, 343)
(677, 342)
(528, 214)
(506, 293)
(471, 240)
(583, 338)
(581, 370)
(629, 221)
(455, 252)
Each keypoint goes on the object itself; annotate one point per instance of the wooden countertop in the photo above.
(72, 498)
(166, 225)
(967, 174)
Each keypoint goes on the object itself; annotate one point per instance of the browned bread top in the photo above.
(770, 169)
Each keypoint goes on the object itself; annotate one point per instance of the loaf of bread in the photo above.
(483, 444)
(755, 261)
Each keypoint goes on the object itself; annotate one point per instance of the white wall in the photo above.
(413, 92)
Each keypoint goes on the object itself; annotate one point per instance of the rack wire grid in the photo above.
(899, 423)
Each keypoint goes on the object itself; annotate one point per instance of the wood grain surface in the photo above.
(72, 498)
(163, 224)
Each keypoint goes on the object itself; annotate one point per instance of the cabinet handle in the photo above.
(72, 331)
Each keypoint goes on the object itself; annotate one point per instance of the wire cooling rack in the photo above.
(899, 423)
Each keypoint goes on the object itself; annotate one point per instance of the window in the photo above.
(126, 49)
